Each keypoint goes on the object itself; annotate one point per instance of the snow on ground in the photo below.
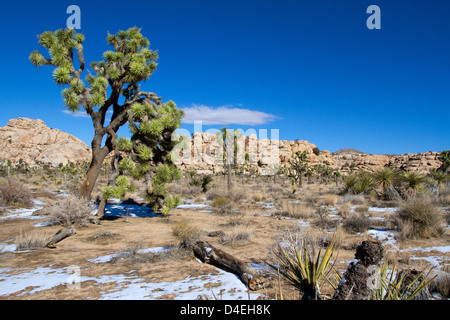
(189, 204)
(129, 286)
(377, 209)
(23, 213)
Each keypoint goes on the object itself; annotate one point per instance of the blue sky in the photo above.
(311, 69)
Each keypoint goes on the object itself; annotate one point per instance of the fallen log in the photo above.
(60, 235)
(219, 258)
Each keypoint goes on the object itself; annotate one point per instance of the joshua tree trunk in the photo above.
(98, 155)
(229, 177)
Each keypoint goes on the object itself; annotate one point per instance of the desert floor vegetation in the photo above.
(253, 222)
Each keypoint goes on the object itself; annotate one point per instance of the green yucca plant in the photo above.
(413, 180)
(365, 183)
(303, 269)
(392, 284)
(386, 178)
(350, 183)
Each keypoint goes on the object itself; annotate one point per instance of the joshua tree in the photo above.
(229, 141)
(147, 155)
(112, 85)
(298, 166)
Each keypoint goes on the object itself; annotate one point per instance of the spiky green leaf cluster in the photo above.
(124, 144)
(122, 187)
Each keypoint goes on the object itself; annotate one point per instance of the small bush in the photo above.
(441, 285)
(31, 241)
(344, 209)
(238, 236)
(71, 211)
(419, 218)
(13, 192)
(356, 223)
(186, 234)
(222, 204)
(296, 210)
(330, 199)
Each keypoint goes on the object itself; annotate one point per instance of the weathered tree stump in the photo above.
(60, 235)
(219, 258)
(356, 282)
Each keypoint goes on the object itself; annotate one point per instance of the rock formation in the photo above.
(32, 141)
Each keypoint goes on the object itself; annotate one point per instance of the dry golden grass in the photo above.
(330, 199)
(297, 210)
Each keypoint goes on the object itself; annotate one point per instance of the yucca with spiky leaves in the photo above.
(111, 85)
(303, 269)
(386, 178)
(413, 180)
(438, 177)
(394, 285)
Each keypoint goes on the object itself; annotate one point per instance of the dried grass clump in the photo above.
(356, 223)
(330, 199)
(186, 233)
(238, 236)
(418, 217)
(14, 193)
(71, 210)
(31, 241)
(296, 210)
(222, 204)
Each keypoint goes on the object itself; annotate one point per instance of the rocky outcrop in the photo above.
(421, 162)
(32, 141)
(203, 153)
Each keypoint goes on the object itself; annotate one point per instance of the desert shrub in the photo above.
(182, 188)
(186, 233)
(258, 196)
(330, 199)
(71, 210)
(296, 210)
(344, 209)
(237, 236)
(30, 241)
(13, 192)
(441, 285)
(353, 199)
(356, 223)
(419, 218)
(222, 204)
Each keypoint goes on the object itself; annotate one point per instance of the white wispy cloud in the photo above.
(78, 114)
(225, 115)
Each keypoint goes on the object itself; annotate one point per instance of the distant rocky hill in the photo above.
(32, 140)
(347, 151)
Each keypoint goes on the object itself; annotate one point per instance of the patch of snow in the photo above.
(443, 249)
(21, 213)
(377, 209)
(7, 247)
(106, 258)
(386, 236)
(193, 206)
(129, 286)
(45, 224)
